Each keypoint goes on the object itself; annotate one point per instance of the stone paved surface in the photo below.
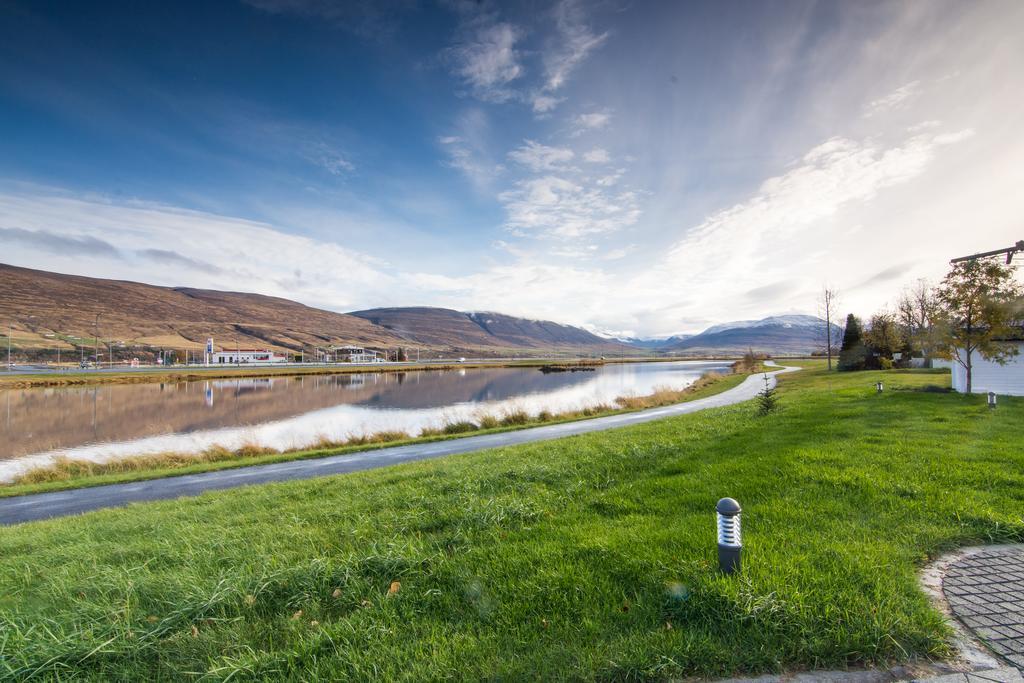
(985, 590)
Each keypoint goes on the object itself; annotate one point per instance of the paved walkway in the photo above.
(58, 504)
(985, 591)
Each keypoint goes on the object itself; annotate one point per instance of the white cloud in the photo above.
(576, 40)
(591, 121)
(165, 245)
(489, 61)
(555, 207)
(543, 104)
(793, 227)
(597, 156)
(538, 157)
(896, 99)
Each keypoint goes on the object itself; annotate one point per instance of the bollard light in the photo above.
(879, 386)
(729, 542)
(991, 399)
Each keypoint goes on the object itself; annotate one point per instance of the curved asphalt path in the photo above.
(38, 506)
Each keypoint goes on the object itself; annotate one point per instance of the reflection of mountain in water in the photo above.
(44, 419)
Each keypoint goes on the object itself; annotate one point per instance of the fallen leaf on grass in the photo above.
(336, 593)
(395, 587)
(297, 615)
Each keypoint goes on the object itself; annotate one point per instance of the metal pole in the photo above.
(10, 331)
(1009, 251)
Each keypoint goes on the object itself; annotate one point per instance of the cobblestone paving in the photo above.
(985, 590)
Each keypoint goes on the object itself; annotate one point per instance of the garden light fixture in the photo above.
(729, 542)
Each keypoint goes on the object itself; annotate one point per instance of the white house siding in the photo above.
(986, 376)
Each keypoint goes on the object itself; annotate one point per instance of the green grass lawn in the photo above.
(589, 558)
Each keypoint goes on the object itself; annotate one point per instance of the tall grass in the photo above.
(63, 468)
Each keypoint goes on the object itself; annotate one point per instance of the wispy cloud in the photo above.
(468, 150)
(173, 258)
(538, 157)
(543, 103)
(262, 257)
(60, 243)
(896, 99)
(556, 207)
(597, 156)
(329, 159)
(488, 61)
(591, 121)
(576, 40)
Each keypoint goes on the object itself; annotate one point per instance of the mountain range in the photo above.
(51, 310)
(782, 334)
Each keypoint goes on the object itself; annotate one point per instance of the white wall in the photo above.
(1007, 380)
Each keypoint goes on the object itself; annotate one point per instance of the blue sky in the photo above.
(635, 167)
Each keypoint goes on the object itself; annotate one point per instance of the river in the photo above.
(117, 420)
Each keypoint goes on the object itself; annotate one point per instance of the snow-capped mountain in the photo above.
(788, 334)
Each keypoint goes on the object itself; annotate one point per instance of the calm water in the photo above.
(109, 421)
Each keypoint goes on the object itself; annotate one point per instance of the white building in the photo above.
(356, 354)
(241, 356)
(986, 376)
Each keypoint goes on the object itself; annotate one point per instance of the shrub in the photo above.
(489, 422)
(460, 427)
(515, 417)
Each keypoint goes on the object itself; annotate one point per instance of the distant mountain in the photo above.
(655, 343)
(782, 334)
(444, 327)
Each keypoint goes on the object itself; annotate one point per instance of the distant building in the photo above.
(986, 376)
(355, 354)
(240, 356)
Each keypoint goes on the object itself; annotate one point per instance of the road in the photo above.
(39, 506)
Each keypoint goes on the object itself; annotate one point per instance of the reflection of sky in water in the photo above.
(338, 422)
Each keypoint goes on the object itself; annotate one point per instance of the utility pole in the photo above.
(10, 331)
(96, 341)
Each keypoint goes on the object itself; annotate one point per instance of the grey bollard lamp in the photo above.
(730, 543)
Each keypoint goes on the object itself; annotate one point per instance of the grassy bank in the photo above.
(586, 558)
(66, 473)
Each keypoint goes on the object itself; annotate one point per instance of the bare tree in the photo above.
(917, 314)
(828, 302)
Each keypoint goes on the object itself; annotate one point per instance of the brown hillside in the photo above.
(42, 303)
